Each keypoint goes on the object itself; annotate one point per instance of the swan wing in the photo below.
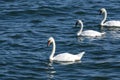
(112, 23)
(65, 57)
(91, 33)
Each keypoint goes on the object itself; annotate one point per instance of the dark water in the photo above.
(25, 26)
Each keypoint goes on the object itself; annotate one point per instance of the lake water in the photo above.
(26, 25)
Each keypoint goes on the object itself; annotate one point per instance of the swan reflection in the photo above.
(51, 71)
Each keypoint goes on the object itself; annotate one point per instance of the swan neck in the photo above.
(104, 19)
(53, 50)
(81, 28)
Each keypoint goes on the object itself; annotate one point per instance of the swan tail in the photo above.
(103, 33)
(81, 55)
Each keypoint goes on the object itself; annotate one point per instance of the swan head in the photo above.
(81, 24)
(102, 10)
(50, 40)
(78, 22)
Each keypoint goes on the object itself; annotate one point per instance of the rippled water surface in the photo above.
(26, 25)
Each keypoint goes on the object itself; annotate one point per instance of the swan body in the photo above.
(108, 23)
(87, 33)
(91, 33)
(68, 57)
(111, 23)
(65, 57)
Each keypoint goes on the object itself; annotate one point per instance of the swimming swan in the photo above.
(87, 33)
(66, 57)
(108, 23)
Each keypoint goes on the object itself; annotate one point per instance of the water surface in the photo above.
(25, 27)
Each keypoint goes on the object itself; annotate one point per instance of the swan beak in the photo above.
(76, 24)
(49, 43)
(100, 12)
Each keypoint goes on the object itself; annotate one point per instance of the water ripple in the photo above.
(25, 27)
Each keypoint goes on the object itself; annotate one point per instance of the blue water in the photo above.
(26, 25)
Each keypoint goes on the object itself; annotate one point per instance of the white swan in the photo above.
(65, 57)
(108, 23)
(87, 33)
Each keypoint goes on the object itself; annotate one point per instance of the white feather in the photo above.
(66, 57)
(108, 23)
